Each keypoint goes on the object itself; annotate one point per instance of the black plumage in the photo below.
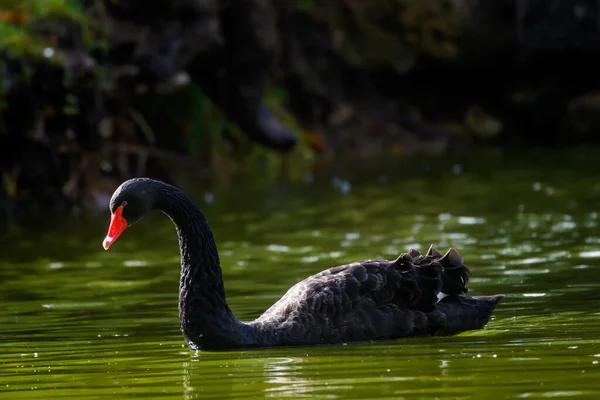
(362, 301)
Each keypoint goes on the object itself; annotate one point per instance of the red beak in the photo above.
(117, 226)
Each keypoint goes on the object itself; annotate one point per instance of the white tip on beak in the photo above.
(107, 242)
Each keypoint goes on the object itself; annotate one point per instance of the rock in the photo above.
(583, 116)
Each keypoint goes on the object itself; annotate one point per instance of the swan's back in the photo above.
(373, 300)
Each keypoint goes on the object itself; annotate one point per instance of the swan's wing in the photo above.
(366, 290)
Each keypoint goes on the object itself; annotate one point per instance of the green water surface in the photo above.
(78, 322)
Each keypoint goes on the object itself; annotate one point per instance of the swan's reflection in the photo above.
(207, 376)
(188, 389)
(283, 372)
(243, 377)
(278, 374)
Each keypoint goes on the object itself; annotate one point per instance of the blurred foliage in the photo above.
(21, 33)
(26, 34)
(207, 133)
(29, 31)
(402, 29)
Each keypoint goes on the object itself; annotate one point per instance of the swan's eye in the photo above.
(123, 204)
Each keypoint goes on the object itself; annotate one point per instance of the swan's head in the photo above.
(129, 203)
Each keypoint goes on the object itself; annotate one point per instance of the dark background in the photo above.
(95, 92)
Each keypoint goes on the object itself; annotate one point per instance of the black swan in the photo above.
(362, 301)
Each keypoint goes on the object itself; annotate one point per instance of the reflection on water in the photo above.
(78, 322)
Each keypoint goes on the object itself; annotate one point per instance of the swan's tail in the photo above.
(438, 273)
(464, 313)
(447, 274)
(455, 275)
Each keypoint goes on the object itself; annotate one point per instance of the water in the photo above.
(79, 322)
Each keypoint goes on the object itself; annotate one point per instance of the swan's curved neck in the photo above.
(205, 318)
